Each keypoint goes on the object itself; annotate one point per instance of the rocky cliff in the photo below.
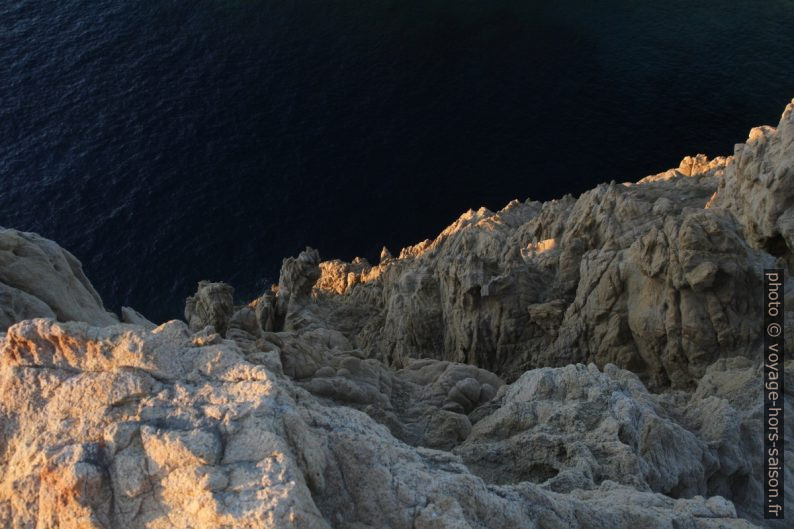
(579, 363)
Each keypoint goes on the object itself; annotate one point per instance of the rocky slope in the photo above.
(654, 277)
(40, 279)
(581, 363)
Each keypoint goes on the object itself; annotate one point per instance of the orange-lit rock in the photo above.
(625, 322)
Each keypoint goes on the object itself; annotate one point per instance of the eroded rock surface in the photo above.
(211, 305)
(648, 276)
(124, 427)
(580, 363)
(39, 279)
(757, 187)
(575, 427)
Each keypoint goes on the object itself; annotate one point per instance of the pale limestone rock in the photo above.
(212, 304)
(297, 277)
(573, 427)
(132, 316)
(360, 396)
(38, 278)
(244, 328)
(758, 187)
(16, 305)
(265, 309)
(125, 427)
(656, 307)
(726, 412)
(155, 423)
(420, 404)
(338, 277)
(649, 276)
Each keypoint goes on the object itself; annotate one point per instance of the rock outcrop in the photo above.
(212, 305)
(574, 427)
(757, 187)
(124, 427)
(580, 363)
(647, 276)
(39, 279)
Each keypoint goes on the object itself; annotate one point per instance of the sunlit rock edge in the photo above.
(590, 362)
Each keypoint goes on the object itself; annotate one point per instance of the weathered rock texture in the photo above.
(757, 187)
(212, 305)
(39, 279)
(582, 363)
(128, 428)
(654, 277)
(575, 427)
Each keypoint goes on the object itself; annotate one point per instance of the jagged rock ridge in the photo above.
(364, 396)
(650, 276)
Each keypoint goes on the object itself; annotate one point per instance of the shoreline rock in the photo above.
(649, 276)
(580, 363)
(126, 427)
(38, 278)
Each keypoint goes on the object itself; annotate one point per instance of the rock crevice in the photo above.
(581, 363)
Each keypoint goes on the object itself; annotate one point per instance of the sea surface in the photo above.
(164, 142)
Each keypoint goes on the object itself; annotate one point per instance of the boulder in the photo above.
(127, 427)
(212, 304)
(38, 278)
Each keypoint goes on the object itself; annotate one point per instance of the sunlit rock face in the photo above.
(654, 277)
(123, 427)
(758, 189)
(581, 363)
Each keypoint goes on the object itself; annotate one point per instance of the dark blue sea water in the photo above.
(164, 142)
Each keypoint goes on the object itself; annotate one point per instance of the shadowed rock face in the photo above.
(212, 304)
(627, 323)
(655, 277)
(576, 427)
(38, 278)
(123, 427)
(758, 191)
